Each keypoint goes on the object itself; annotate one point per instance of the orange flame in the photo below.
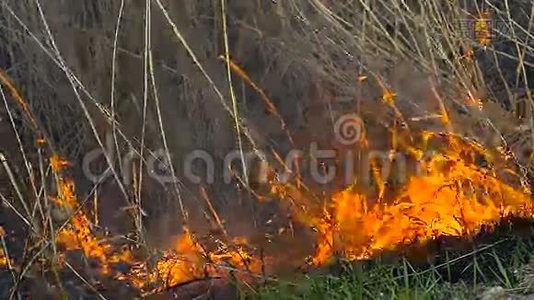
(456, 197)
(189, 261)
(77, 235)
(483, 28)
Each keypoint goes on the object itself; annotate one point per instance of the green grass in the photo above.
(497, 260)
(352, 286)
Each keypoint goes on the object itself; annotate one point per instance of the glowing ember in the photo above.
(57, 163)
(3, 258)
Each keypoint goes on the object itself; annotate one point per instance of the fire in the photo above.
(483, 30)
(187, 260)
(181, 264)
(3, 259)
(78, 235)
(56, 162)
(456, 197)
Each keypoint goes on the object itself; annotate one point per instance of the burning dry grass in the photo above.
(456, 197)
(466, 186)
(187, 261)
